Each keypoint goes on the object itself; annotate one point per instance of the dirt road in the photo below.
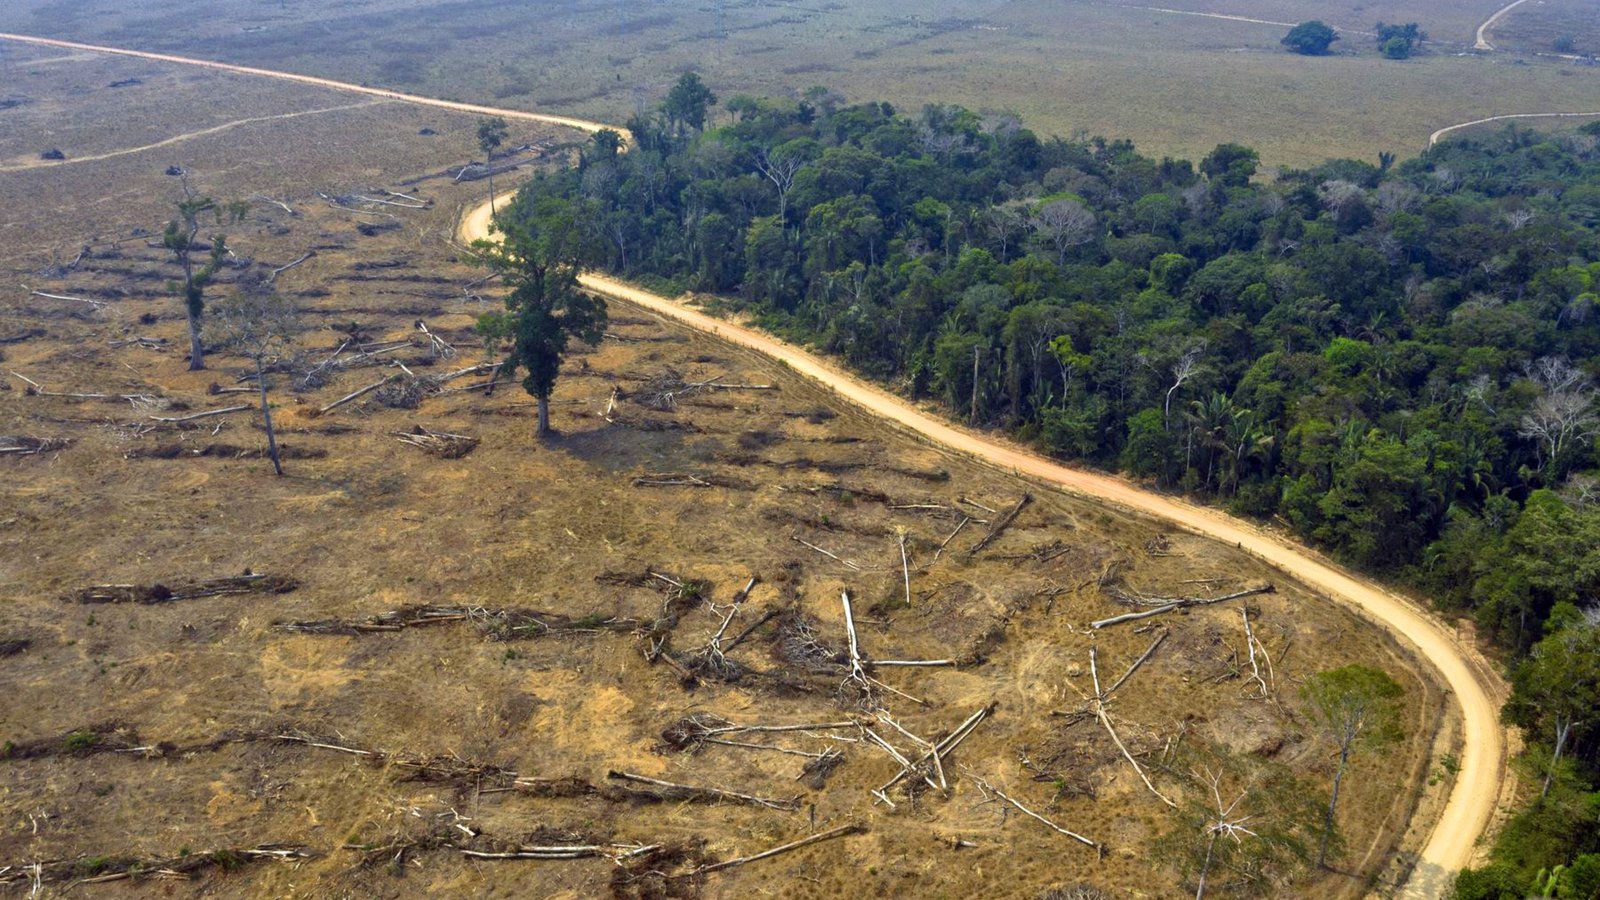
(1434, 138)
(1483, 30)
(188, 136)
(1474, 796)
(580, 124)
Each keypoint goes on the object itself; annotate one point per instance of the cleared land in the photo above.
(1174, 84)
(567, 534)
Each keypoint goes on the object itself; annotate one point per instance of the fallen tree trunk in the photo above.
(1001, 524)
(1184, 603)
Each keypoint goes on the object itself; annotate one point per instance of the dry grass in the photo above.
(1537, 26)
(365, 526)
(1175, 84)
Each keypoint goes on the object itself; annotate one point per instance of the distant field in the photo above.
(1539, 25)
(1174, 83)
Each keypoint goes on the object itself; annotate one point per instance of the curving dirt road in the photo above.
(1483, 30)
(1475, 794)
(1474, 797)
(1434, 138)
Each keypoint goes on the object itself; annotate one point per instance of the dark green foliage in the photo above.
(547, 239)
(79, 741)
(1399, 41)
(180, 237)
(1311, 38)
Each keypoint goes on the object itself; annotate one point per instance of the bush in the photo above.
(1489, 883)
(1310, 38)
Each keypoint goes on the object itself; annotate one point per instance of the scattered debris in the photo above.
(25, 445)
(248, 583)
(439, 443)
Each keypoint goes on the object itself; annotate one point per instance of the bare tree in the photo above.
(1065, 224)
(1005, 223)
(259, 326)
(1563, 415)
(1187, 366)
(780, 169)
(1354, 706)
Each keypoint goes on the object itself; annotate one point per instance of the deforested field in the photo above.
(437, 643)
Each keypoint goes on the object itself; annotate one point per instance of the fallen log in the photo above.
(1182, 603)
(673, 791)
(355, 395)
(841, 831)
(1001, 524)
(170, 420)
(1028, 812)
(273, 275)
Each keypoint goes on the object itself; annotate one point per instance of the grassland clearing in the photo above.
(1174, 84)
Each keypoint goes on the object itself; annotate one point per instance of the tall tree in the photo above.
(546, 241)
(491, 134)
(180, 237)
(1356, 707)
(688, 103)
(259, 325)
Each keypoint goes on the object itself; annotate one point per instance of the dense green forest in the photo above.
(1393, 361)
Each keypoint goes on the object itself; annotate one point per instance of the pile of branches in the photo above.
(404, 392)
(102, 869)
(494, 624)
(222, 451)
(439, 443)
(109, 737)
(27, 445)
(795, 641)
(248, 583)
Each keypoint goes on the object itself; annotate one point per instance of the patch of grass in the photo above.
(79, 741)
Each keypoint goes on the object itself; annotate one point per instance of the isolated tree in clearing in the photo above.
(1399, 41)
(1311, 38)
(259, 326)
(179, 237)
(545, 243)
(491, 134)
(1356, 708)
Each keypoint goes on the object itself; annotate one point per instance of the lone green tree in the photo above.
(180, 237)
(491, 134)
(1311, 38)
(688, 103)
(545, 243)
(1356, 707)
(258, 325)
